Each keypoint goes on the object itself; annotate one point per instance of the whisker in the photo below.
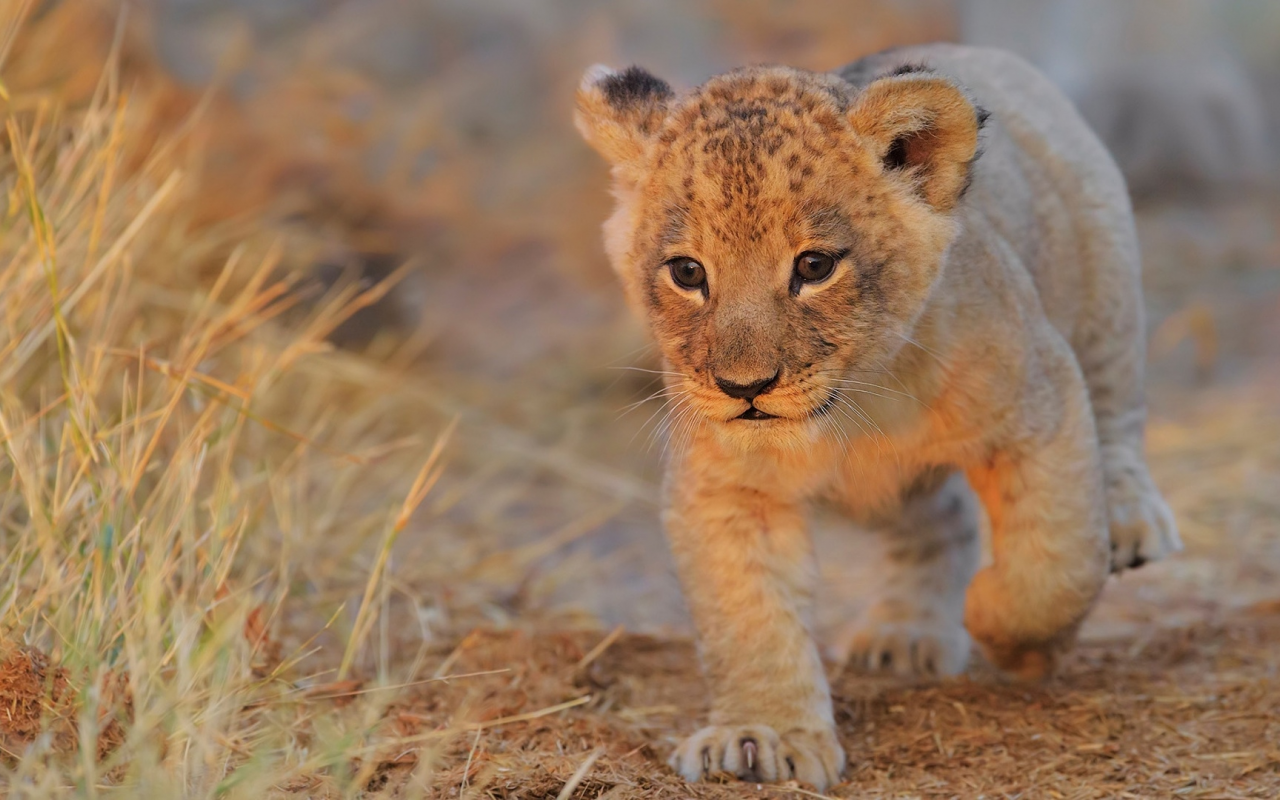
(869, 392)
(652, 371)
(624, 369)
(909, 340)
(672, 422)
(634, 353)
(664, 407)
(840, 405)
(666, 391)
(853, 404)
(855, 371)
(852, 382)
(682, 436)
(660, 431)
(836, 430)
(841, 434)
(892, 374)
(859, 410)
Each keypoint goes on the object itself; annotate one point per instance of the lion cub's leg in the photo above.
(1111, 348)
(1142, 525)
(916, 625)
(746, 564)
(1042, 489)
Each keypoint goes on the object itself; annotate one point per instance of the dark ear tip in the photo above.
(632, 86)
(911, 69)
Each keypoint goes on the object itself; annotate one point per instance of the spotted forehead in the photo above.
(739, 155)
(740, 120)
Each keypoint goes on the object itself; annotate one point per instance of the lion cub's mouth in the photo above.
(754, 414)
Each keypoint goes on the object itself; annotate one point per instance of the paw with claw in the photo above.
(922, 648)
(760, 754)
(1142, 526)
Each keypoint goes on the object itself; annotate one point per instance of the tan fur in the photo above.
(980, 339)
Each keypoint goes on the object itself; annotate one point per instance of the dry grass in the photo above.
(239, 563)
(169, 451)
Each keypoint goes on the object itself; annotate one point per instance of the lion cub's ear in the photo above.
(619, 112)
(923, 126)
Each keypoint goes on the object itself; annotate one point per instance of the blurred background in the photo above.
(439, 133)
(313, 373)
(366, 135)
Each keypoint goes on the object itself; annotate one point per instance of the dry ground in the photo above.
(1190, 711)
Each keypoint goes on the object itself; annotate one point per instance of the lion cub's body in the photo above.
(981, 339)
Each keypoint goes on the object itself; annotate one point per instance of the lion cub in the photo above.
(905, 287)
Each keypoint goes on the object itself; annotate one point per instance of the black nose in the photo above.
(746, 391)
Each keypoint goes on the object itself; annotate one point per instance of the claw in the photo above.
(749, 753)
(706, 761)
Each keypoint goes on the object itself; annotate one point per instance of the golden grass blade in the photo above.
(422, 484)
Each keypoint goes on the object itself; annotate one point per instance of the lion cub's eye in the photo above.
(687, 273)
(813, 267)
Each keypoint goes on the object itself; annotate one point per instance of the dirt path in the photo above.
(1187, 712)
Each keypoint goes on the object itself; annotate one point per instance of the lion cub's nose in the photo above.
(746, 391)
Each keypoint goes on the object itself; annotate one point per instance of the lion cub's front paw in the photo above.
(1023, 645)
(1142, 525)
(919, 648)
(758, 753)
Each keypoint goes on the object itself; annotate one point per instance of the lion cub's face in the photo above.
(778, 230)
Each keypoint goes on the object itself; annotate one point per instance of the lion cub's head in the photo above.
(778, 229)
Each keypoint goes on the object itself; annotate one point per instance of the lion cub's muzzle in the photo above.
(749, 392)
